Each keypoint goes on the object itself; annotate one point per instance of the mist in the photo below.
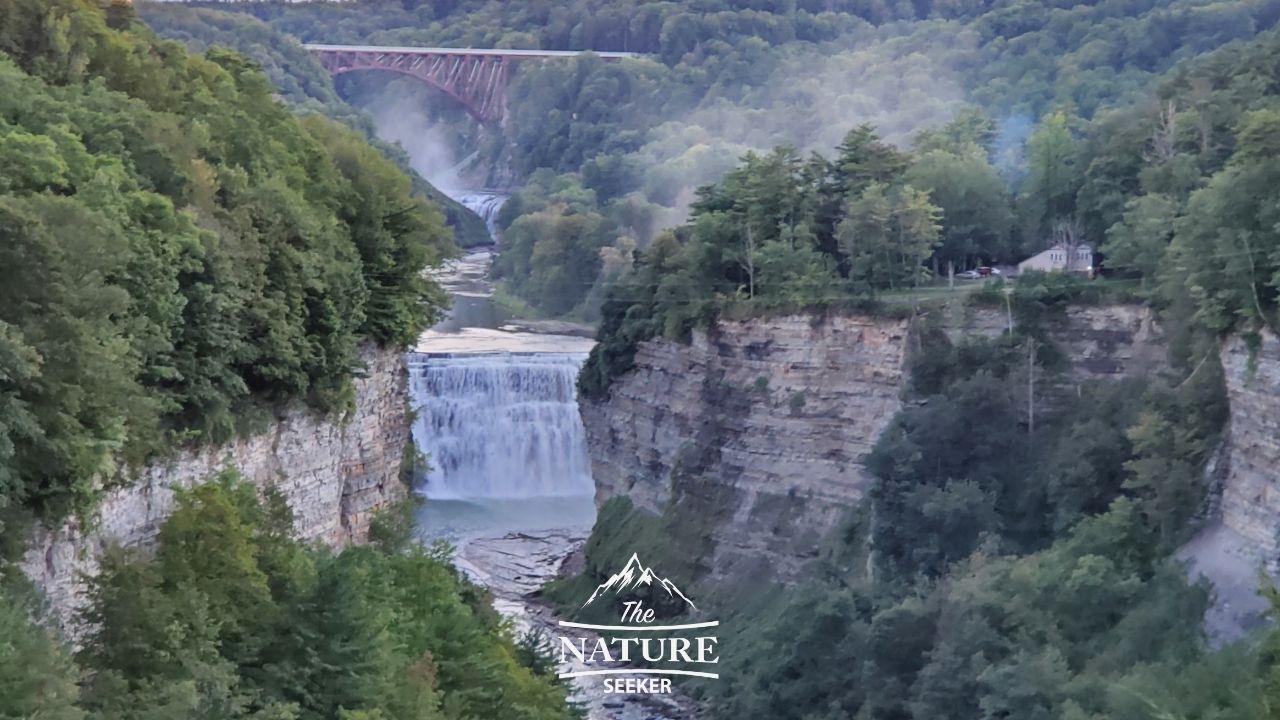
(403, 121)
(816, 94)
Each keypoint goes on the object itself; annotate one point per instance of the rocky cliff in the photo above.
(334, 473)
(757, 429)
(1251, 490)
(1099, 340)
(771, 416)
(1243, 523)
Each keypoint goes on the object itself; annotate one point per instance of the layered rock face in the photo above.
(1251, 491)
(1100, 341)
(334, 473)
(1110, 341)
(757, 430)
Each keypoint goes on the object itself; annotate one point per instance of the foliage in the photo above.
(1012, 570)
(176, 250)
(37, 676)
(1181, 186)
(302, 82)
(235, 618)
(620, 530)
(778, 231)
(721, 78)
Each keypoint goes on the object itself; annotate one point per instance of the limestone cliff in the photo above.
(334, 473)
(757, 429)
(772, 416)
(1251, 491)
(1098, 340)
(1243, 524)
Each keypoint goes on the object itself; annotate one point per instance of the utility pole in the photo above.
(1031, 385)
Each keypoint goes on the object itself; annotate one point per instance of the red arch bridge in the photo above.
(475, 78)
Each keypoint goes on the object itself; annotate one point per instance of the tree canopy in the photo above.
(177, 249)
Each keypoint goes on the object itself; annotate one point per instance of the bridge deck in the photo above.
(468, 51)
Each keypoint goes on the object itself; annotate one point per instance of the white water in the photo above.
(500, 425)
(484, 204)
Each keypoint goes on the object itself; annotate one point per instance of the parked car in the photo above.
(988, 272)
(969, 275)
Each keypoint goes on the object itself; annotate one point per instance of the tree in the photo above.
(863, 159)
(918, 226)
(1166, 486)
(864, 238)
(1049, 189)
(973, 201)
(1228, 239)
(971, 129)
(37, 677)
(1138, 243)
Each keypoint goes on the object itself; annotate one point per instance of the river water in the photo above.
(509, 481)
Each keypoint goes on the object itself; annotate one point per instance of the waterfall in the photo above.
(484, 204)
(500, 425)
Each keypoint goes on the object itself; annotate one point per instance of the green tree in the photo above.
(1049, 189)
(37, 677)
(1139, 242)
(973, 201)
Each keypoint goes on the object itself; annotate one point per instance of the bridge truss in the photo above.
(475, 78)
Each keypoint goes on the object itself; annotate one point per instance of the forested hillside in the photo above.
(1173, 190)
(610, 154)
(233, 618)
(1008, 564)
(179, 251)
(301, 81)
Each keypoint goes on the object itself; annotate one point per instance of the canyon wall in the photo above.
(757, 429)
(1098, 340)
(334, 473)
(771, 416)
(1250, 503)
(1242, 511)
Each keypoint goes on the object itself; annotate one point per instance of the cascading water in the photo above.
(484, 204)
(500, 425)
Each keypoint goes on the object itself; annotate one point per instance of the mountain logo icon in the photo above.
(635, 575)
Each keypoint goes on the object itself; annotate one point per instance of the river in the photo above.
(509, 480)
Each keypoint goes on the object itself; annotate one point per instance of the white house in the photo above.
(1060, 257)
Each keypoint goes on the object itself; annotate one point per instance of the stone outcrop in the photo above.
(1251, 492)
(1109, 341)
(772, 416)
(1242, 510)
(1100, 341)
(757, 430)
(334, 473)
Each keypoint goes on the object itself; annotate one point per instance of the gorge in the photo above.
(758, 430)
(943, 408)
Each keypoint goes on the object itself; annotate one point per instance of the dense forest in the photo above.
(303, 83)
(180, 254)
(1174, 190)
(608, 154)
(1004, 567)
(179, 251)
(233, 618)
